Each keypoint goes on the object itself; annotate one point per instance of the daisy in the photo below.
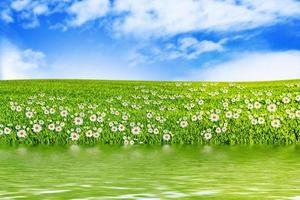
(261, 120)
(254, 121)
(21, 134)
(36, 128)
(74, 136)
(52, 111)
(218, 130)
(297, 113)
(228, 114)
(194, 118)
(156, 131)
(93, 118)
(149, 115)
(136, 130)
(18, 108)
(150, 130)
(272, 108)
(114, 129)
(257, 105)
(64, 113)
(121, 127)
(96, 134)
(58, 129)
(7, 130)
(286, 100)
(126, 142)
(275, 123)
(183, 124)
(207, 136)
(29, 114)
(166, 137)
(214, 117)
(89, 133)
(51, 127)
(78, 121)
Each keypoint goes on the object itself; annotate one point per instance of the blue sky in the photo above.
(218, 40)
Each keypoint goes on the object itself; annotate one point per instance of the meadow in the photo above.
(146, 112)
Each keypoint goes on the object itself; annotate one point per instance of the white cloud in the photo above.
(170, 17)
(185, 48)
(252, 67)
(5, 15)
(19, 64)
(164, 17)
(88, 10)
(20, 5)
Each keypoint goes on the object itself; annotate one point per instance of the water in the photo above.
(150, 172)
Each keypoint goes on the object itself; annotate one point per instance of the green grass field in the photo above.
(134, 112)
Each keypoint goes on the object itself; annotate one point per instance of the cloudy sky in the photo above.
(217, 40)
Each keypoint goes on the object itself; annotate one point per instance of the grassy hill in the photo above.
(133, 112)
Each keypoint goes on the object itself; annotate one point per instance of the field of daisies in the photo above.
(129, 112)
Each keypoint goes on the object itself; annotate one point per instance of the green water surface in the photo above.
(150, 172)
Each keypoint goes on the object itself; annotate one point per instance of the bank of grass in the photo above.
(133, 112)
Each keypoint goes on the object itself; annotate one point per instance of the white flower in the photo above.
(136, 130)
(261, 120)
(93, 118)
(166, 137)
(121, 127)
(78, 121)
(149, 115)
(96, 134)
(64, 113)
(21, 134)
(51, 127)
(131, 142)
(254, 121)
(156, 131)
(100, 119)
(194, 118)
(257, 105)
(218, 130)
(214, 117)
(183, 124)
(29, 114)
(297, 113)
(228, 114)
(18, 108)
(200, 102)
(286, 100)
(207, 136)
(126, 142)
(74, 136)
(52, 111)
(58, 129)
(276, 123)
(114, 129)
(272, 108)
(297, 98)
(36, 128)
(7, 130)
(236, 115)
(89, 133)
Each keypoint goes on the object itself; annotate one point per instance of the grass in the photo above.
(133, 112)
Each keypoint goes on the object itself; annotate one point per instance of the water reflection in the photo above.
(150, 172)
